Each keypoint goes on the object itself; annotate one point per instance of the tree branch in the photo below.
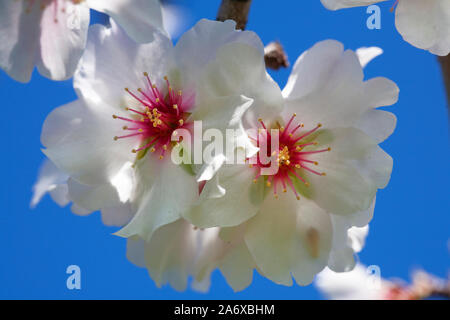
(445, 66)
(238, 10)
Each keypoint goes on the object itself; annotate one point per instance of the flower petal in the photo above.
(228, 76)
(63, 39)
(425, 24)
(170, 195)
(367, 54)
(19, 38)
(79, 139)
(140, 18)
(198, 46)
(240, 202)
(289, 236)
(112, 61)
(50, 180)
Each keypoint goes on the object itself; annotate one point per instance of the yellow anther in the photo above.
(139, 89)
(276, 196)
(294, 114)
(268, 184)
(174, 133)
(116, 138)
(299, 148)
(298, 197)
(307, 184)
(319, 125)
(175, 106)
(324, 174)
(255, 181)
(114, 116)
(284, 190)
(134, 151)
(124, 127)
(165, 78)
(298, 166)
(152, 149)
(140, 130)
(164, 147)
(250, 165)
(181, 122)
(157, 100)
(180, 93)
(145, 74)
(316, 163)
(126, 89)
(259, 119)
(329, 149)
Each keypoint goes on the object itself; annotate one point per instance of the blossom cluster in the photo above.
(111, 150)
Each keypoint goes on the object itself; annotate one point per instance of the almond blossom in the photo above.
(295, 221)
(51, 34)
(115, 142)
(423, 23)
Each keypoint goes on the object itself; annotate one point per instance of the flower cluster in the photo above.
(138, 104)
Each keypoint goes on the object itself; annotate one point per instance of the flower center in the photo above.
(293, 155)
(156, 119)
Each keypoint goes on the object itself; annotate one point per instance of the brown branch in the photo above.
(445, 66)
(238, 10)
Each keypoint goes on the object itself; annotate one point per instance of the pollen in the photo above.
(293, 157)
(154, 117)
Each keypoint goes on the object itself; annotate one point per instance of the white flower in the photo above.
(330, 166)
(423, 23)
(115, 141)
(51, 34)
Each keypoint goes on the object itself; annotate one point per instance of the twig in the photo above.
(238, 10)
(445, 66)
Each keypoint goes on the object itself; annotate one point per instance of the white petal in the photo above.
(358, 237)
(19, 38)
(172, 193)
(228, 76)
(117, 216)
(425, 24)
(136, 251)
(378, 124)
(63, 39)
(367, 54)
(241, 201)
(79, 139)
(326, 86)
(139, 18)
(376, 166)
(289, 236)
(339, 4)
(168, 255)
(198, 46)
(50, 177)
(112, 62)
(237, 267)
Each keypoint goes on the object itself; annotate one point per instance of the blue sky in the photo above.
(411, 224)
